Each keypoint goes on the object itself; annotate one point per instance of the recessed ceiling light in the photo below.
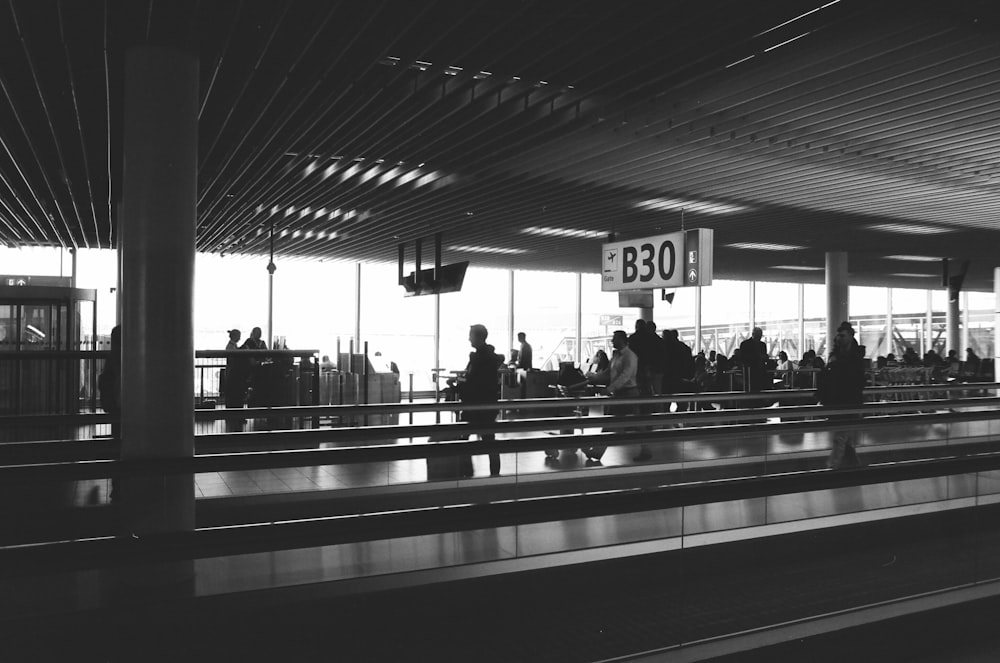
(689, 206)
(564, 232)
(904, 228)
(910, 275)
(914, 258)
(486, 249)
(760, 246)
(799, 268)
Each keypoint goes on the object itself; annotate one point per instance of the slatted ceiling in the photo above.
(285, 85)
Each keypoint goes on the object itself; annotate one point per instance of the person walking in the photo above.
(841, 384)
(621, 384)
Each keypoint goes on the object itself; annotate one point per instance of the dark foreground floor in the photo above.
(594, 611)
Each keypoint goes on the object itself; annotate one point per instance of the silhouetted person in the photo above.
(481, 385)
(524, 352)
(753, 354)
(842, 385)
(235, 384)
(109, 383)
(255, 342)
(621, 381)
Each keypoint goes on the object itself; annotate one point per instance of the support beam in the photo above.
(157, 253)
(837, 294)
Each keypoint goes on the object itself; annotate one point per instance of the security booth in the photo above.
(45, 323)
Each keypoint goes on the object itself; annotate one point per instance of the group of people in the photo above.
(951, 364)
(644, 364)
(239, 373)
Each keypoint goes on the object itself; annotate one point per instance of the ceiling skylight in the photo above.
(689, 206)
(564, 232)
(908, 228)
(914, 258)
(486, 249)
(762, 246)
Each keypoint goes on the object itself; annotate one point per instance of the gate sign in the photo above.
(663, 261)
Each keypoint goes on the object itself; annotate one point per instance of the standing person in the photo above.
(523, 352)
(256, 384)
(842, 383)
(679, 366)
(255, 342)
(753, 354)
(110, 385)
(481, 385)
(235, 384)
(621, 384)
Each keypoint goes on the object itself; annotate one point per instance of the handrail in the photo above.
(75, 450)
(98, 469)
(511, 404)
(207, 542)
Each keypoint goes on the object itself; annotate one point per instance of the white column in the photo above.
(837, 294)
(802, 319)
(510, 311)
(579, 319)
(697, 320)
(929, 324)
(965, 326)
(357, 308)
(888, 321)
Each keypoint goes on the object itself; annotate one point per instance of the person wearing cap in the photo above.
(234, 339)
(841, 385)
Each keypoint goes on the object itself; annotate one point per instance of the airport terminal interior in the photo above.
(515, 331)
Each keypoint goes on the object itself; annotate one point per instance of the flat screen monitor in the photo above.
(449, 279)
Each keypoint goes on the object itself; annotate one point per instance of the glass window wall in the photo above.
(725, 315)
(545, 310)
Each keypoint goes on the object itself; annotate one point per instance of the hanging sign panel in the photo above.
(663, 261)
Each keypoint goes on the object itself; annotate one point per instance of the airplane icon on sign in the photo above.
(611, 261)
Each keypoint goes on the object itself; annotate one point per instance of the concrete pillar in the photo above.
(953, 318)
(157, 253)
(837, 294)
